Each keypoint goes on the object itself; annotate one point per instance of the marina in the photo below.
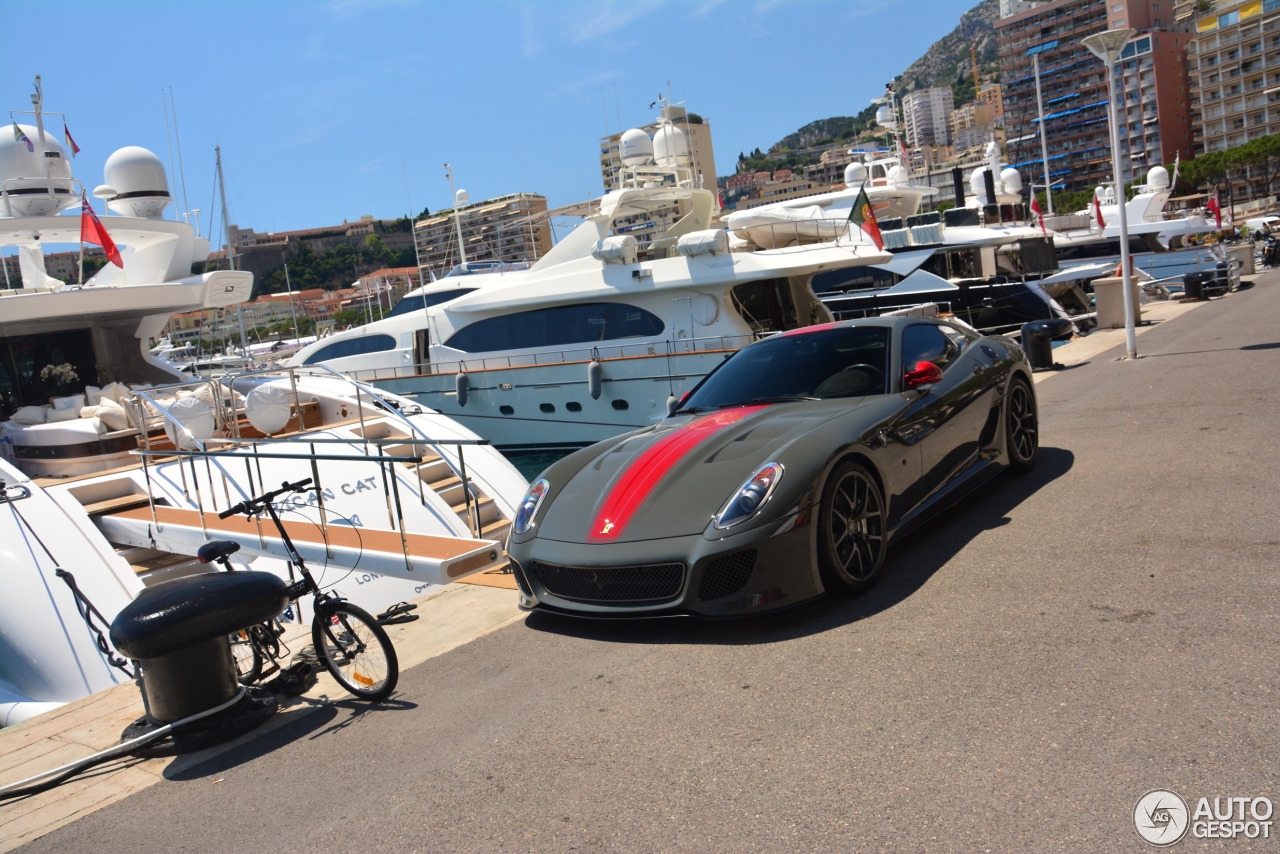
(847, 495)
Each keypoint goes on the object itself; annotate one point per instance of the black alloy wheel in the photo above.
(851, 529)
(1022, 427)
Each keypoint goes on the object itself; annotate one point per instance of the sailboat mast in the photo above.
(226, 222)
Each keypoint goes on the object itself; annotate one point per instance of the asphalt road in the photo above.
(1027, 669)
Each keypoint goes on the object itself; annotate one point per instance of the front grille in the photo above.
(726, 575)
(518, 572)
(611, 583)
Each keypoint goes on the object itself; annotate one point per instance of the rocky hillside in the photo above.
(945, 63)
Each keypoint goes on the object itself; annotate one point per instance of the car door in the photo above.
(948, 418)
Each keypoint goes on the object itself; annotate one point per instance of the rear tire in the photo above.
(851, 529)
(1021, 427)
(356, 651)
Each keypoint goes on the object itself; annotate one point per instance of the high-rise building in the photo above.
(1153, 93)
(927, 115)
(1013, 7)
(509, 228)
(1234, 65)
(1185, 10)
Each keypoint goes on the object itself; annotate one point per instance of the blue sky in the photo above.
(304, 98)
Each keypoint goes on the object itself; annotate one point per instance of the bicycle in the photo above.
(355, 649)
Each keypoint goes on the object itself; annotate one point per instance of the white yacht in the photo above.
(116, 464)
(603, 332)
(889, 187)
(1153, 232)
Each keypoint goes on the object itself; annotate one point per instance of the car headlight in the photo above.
(530, 504)
(750, 497)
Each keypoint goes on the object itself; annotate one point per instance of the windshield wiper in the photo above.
(756, 400)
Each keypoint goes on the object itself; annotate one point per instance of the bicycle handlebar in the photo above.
(252, 504)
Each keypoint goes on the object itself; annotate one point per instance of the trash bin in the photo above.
(1193, 284)
(1109, 299)
(1037, 341)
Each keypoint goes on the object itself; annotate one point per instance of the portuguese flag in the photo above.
(865, 218)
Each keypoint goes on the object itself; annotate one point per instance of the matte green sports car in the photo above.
(784, 474)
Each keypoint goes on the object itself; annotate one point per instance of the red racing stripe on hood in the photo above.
(647, 470)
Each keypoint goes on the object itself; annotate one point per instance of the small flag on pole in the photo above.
(865, 218)
(1097, 212)
(66, 134)
(92, 231)
(22, 137)
(1214, 208)
(1035, 207)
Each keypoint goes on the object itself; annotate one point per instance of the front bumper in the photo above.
(756, 571)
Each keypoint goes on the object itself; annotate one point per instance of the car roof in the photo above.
(890, 322)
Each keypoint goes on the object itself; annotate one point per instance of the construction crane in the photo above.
(973, 61)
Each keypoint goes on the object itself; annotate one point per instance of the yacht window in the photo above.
(620, 405)
(507, 410)
(555, 327)
(357, 346)
(877, 171)
(418, 302)
(573, 406)
(766, 305)
(24, 357)
(547, 407)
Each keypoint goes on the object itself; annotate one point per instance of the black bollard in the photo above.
(1037, 341)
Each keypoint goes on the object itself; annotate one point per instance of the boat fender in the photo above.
(462, 384)
(673, 403)
(595, 379)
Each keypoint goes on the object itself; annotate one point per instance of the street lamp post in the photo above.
(1108, 46)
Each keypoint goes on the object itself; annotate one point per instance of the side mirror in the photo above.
(924, 374)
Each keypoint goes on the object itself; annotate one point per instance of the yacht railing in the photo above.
(545, 358)
(252, 457)
(227, 423)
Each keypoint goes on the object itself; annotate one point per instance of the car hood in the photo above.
(670, 479)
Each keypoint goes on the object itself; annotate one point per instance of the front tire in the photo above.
(1022, 427)
(851, 529)
(356, 651)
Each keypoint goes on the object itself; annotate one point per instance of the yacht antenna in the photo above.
(37, 101)
(1044, 143)
(168, 139)
(226, 222)
(457, 217)
(288, 286)
(178, 139)
(417, 253)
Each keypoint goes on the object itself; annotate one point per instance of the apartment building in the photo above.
(927, 116)
(509, 228)
(1234, 65)
(1186, 10)
(1153, 92)
(783, 191)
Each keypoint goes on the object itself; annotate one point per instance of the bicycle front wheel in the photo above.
(356, 650)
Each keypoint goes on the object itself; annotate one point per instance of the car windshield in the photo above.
(847, 361)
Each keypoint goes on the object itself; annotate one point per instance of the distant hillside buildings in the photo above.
(509, 228)
(927, 116)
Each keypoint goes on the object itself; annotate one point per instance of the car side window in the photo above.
(927, 343)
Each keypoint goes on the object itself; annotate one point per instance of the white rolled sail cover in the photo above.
(195, 416)
(268, 408)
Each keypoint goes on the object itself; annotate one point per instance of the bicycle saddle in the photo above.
(217, 550)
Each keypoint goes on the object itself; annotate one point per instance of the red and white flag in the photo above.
(1214, 208)
(66, 134)
(1035, 208)
(92, 231)
(1097, 212)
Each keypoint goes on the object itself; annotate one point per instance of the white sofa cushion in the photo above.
(112, 414)
(28, 415)
(74, 402)
(57, 416)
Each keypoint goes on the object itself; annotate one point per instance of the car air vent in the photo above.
(520, 579)
(652, 583)
(726, 575)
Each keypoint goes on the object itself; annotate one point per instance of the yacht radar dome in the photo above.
(899, 176)
(670, 146)
(461, 198)
(139, 180)
(1158, 178)
(978, 184)
(1011, 180)
(855, 174)
(23, 177)
(884, 117)
(636, 148)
